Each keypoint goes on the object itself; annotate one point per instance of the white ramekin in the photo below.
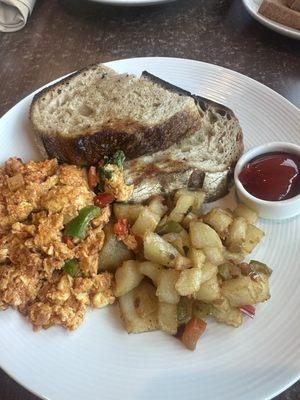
(277, 210)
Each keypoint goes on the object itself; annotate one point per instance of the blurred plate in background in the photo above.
(253, 6)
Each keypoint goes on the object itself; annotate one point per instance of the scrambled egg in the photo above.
(37, 199)
(115, 185)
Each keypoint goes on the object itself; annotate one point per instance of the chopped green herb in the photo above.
(105, 173)
(71, 267)
(119, 158)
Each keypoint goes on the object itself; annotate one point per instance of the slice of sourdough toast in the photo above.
(204, 159)
(96, 111)
(171, 138)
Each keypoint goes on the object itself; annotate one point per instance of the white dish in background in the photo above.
(275, 210)
(132, 3)
(256, 361)
(253, 5)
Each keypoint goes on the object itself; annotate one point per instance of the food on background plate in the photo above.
(286, 12)
(171, 139)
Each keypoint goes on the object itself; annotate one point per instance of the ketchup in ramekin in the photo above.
(272, 176)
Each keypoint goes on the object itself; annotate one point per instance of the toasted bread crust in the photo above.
(89, 149)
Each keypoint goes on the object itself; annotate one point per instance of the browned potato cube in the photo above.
(183, 205)
(219, 220)
(253, 237)
(245, 212)
(166, 290)
(214, 255)
(157, 250)
(167, 318)
(156, 205)
(202, 235)
(237, 235)
(209, 270)
(146, 222)
(130, 302)
(209, 291)
(127, 277)
(184, 310)
(128, 211)
(197, 257)
(151, 270)
(224, 313)
(189, 281)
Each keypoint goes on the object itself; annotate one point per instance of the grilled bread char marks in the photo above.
(204, 159)
(97, 111)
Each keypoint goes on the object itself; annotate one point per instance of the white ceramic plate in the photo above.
(253, 6)
(100, 360)
(132, 2)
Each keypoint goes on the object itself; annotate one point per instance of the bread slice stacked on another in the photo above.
(97, 111)
(171, 138)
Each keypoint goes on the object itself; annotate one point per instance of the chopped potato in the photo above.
(128, 276)
(197, 257)
(183, 205)
(202, 235)
(199, 197)
(208, 271)
(219, 220)
(128, 211)
(166, 290)
(245, 291)
(184, 310)
(237, 235)
(245, 212)
(151, 270)
(156, 205)
(134, 323)
(114, 252)
(209, 290)
(235, 258)
(157, 250)
(167, 317)
(253, 237)
(214, 255)
(180, 263)
(189, 281)
(224, 313)
(146, 222)
(145, 301)
(188, 219)
(175, 240)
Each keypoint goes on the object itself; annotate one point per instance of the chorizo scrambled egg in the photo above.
(37, 200)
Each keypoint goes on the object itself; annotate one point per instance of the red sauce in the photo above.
(272, 176)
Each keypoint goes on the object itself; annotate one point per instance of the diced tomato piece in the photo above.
(139, 240)
(68, 241)
(93, 178)
(192, 332)
(103, 199)
(248, 310)
(121, 228)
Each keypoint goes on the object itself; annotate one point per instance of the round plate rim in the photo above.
(159, 59)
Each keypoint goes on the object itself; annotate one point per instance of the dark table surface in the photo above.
(62, 36)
